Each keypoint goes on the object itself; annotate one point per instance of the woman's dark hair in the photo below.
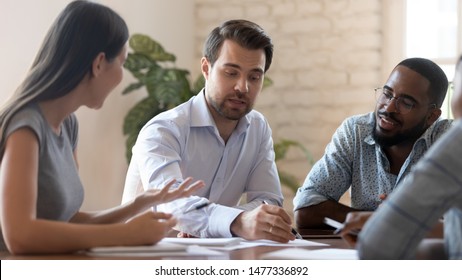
(81, 32)
(247, 34)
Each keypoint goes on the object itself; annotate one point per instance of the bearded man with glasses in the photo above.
(373, 153)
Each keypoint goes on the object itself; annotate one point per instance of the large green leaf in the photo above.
(169, 86)
(180, 81)
(132, 87)
(140, 114)
(175, 74)
(137, 61)
(145, 45)
(139, 76)
(169, 93)
(152, 79)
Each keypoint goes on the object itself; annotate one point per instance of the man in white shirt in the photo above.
(217, 137)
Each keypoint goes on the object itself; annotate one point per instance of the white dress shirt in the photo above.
(185, 142)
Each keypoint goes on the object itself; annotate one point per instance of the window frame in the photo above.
(394, 14)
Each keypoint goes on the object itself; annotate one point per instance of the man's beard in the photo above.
(408, 136)
(229, 113)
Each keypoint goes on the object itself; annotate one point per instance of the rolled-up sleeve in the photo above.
(331, 176)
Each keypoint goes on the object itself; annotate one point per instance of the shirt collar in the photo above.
(200, 114)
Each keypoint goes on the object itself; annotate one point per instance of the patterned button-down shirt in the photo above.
(434, 188)
(353, 159)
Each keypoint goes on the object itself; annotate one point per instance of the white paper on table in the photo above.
(207, 242)
(148, 251)
(162, 249)
(292, 243)
(318, 254)
(263, 242)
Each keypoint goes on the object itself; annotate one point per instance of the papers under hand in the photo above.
(292, 243)
(161, 249)
(235, 243)
(206, 242)
(171, 246)
(238, 243)
(304, 254)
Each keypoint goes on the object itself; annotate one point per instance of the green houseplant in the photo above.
(168, 86)
(280, 149)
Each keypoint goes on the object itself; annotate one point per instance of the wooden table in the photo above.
(253, 253)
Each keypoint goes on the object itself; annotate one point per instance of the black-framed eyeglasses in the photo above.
(403, 104)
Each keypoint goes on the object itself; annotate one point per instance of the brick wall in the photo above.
(326, 64)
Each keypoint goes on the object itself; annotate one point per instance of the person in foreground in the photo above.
(432, 190)
(217, 137)
(79, 63)
(373, 153)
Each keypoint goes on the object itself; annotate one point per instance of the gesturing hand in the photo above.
(264, 222)
(153, 197)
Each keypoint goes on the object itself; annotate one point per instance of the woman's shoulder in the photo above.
(29, 116)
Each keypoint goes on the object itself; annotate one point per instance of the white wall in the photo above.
(23, 24)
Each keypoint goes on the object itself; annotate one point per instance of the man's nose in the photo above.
(392, 105)
(242, 85)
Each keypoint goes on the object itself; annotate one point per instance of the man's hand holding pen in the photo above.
(294, 232)
(264, 222)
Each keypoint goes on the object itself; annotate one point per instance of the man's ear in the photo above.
(97, 65)
(205, 67)
(433, 116)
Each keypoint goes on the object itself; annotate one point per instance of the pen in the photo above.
(338, 226)
(297, 235)
(200, 206)
(294, 232)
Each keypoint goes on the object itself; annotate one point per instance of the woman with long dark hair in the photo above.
(79, 63)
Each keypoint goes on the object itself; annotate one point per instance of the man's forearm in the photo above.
(312, 217)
